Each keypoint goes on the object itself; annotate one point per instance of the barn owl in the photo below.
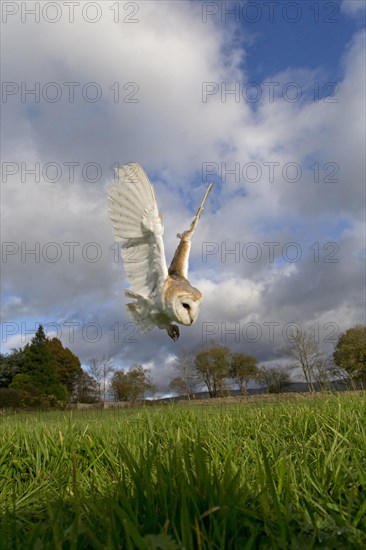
(161, 295)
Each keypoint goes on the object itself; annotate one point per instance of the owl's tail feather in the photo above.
(139, 311)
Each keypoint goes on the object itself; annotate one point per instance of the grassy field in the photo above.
(266, 473)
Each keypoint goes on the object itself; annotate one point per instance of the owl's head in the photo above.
(182, 300)
(187, 306)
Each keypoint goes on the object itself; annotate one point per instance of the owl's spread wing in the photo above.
(180, 261)
(138, 224)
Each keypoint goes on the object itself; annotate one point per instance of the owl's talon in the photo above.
(173, 332)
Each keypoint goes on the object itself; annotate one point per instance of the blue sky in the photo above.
(316, 39)
(170, 55)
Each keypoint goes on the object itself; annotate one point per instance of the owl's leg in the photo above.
(173, 332)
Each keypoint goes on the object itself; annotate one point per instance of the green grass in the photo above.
(260, 474)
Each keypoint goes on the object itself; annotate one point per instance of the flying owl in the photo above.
(161, 295)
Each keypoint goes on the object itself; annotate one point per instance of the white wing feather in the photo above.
(137, 223)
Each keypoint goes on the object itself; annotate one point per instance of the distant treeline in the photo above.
(46, 374)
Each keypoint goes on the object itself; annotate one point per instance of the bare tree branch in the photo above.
(100, 368)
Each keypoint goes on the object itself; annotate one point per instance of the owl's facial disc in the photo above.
(187, 309)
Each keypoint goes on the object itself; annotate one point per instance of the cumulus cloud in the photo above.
(354, 8)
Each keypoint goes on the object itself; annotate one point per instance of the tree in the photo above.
(10, 365)
(179, 386)
(338, 374)
(120, 386)
(43, 368)
(86, 389)
(68, 364)
(100, 369)
(243, 368)
(132, 384)
(350, 353)
(275, 378)
(40, 366)
(304, 349)
(24, 382)
(323, 373)
(186, 382)
(212, 367)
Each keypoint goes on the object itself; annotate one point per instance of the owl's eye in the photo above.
(186, 306)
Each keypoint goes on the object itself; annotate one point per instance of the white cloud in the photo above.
(168, 64)
(354, 8)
